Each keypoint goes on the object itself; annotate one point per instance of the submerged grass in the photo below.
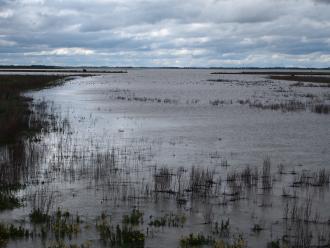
(196, 240)
(62, 244)
(42, 201)
(61, 224)
(119, 236)
(195, 185)
(8, 232)
(200, 240)
(134, 218)
(38, 217)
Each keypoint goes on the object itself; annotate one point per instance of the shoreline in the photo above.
(14, 107)
(82, 72)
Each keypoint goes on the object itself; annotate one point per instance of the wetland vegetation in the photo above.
(69, 180)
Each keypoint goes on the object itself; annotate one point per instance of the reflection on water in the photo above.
(182, 143)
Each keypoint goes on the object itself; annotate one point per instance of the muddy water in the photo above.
(180, 118)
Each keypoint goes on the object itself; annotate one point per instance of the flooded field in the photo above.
(173, 158)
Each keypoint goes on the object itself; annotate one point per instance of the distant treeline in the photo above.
(151, 67)
(29, 67)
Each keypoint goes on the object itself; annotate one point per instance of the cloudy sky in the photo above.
(166, 32)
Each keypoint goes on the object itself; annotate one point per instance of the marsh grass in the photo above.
(266, 174)
(132, 98)
(303, 78)
(64, 224)
(63, 244)
(42, 201)
(200, 240)
(18, 122)
(222, 230)
(169, 220)
(313, 106)
(196, 240)
(134, 218)
(163, 179)
(128, 175)
(319, 178)
(201, 181)
(321, 108)
(8, 200)
(10, 232)
(119, 236)
(14, 108)
(286, 106)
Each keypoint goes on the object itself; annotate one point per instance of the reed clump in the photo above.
(170, 220)
(193, 240)
(134, 218)
(42, 201)
(8, 200)
(10, 232)
(119, 236)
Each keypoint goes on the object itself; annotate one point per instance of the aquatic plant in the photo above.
(170, 220)
(223, 230)
(134, 218)
(124, 236)
(238, 242)
(8, 200)
(8, 232)
(37, 216)
(201, 181)
(274, 244)
(193, 240)
(64, 224)
(266, 174)
(257, 228)
(42, 201)
(63, 244)
(162, 180)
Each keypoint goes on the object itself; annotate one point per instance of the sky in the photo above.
(183, 33)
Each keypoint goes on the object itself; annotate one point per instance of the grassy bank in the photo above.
(279, 73)
(14, 108)
(310, 79)
(17, 121)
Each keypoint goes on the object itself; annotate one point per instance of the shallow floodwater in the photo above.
(157, 118)
(184, 122)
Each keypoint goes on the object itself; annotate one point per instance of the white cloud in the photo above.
(6, 13)
(62, 52)
(167, 32)
(7, 43)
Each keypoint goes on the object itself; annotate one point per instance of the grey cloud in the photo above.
(322, 1)
(144, 32)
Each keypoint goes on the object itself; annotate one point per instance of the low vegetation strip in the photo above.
(310, 79)
(81, 72)
(281, 72)
(17, 121)
(14, 108)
